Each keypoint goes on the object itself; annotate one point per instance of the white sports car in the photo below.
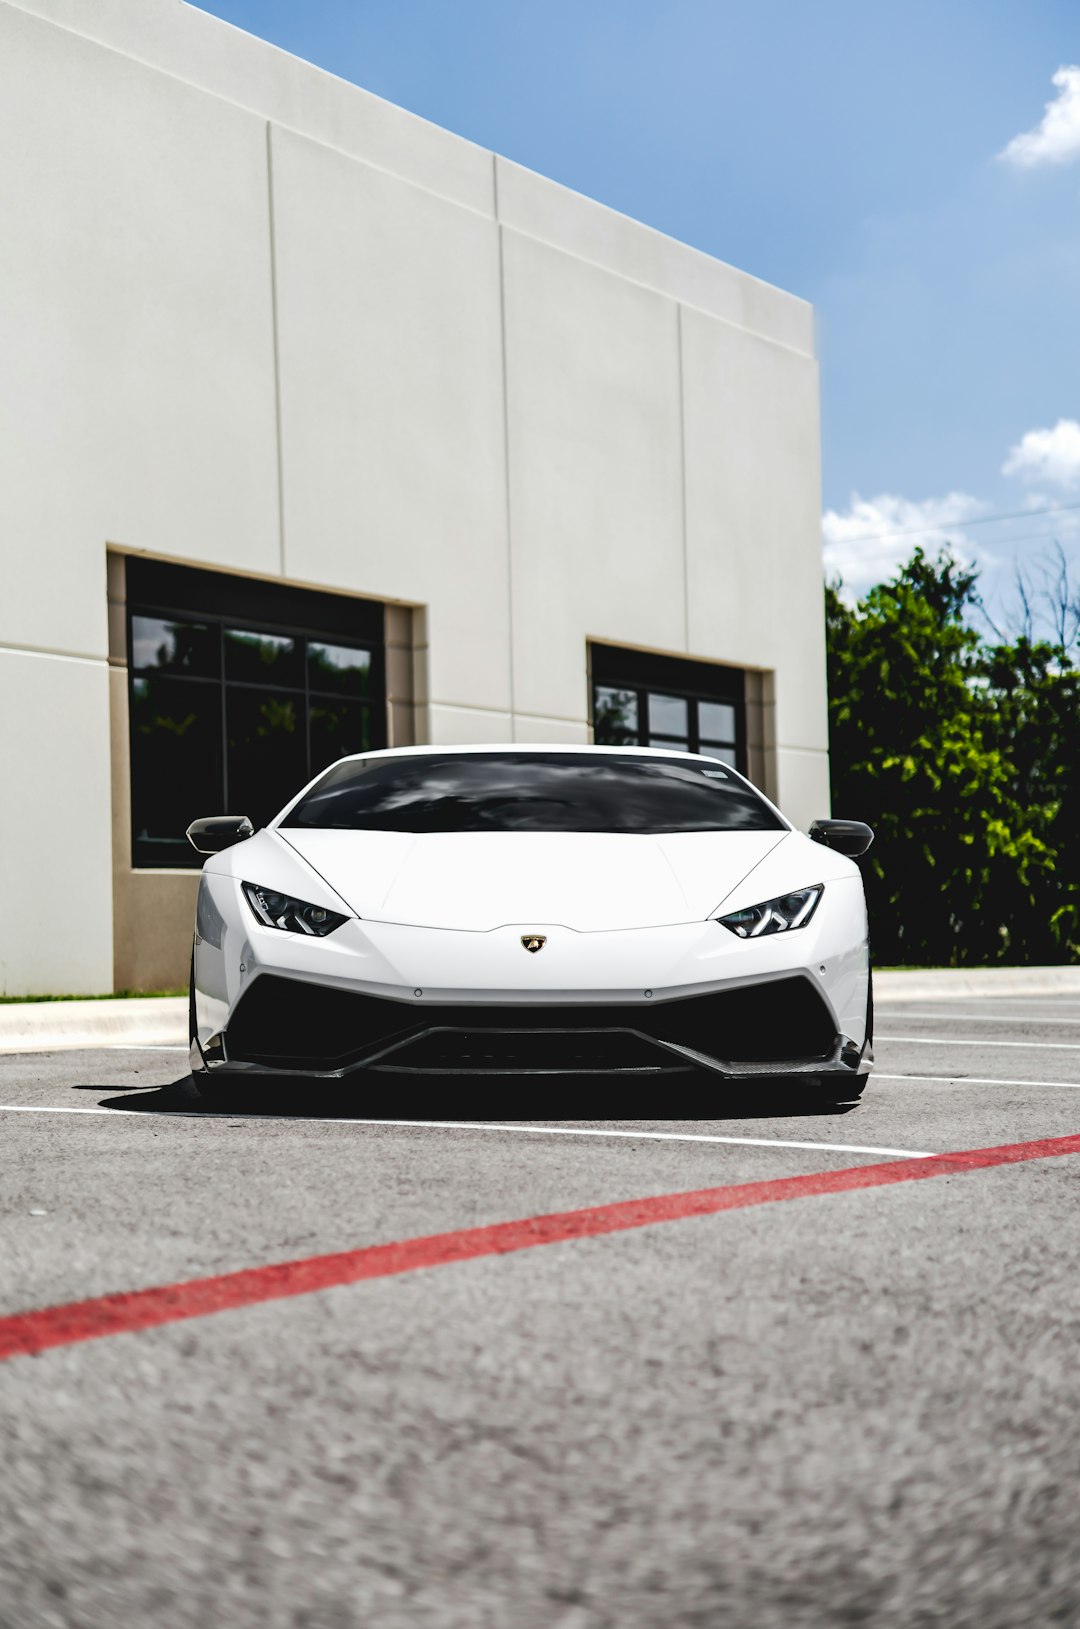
(531, 910)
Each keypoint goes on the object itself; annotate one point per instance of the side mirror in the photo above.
(850, 837)
(215, 832)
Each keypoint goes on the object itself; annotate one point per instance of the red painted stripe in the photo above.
(28, 1332)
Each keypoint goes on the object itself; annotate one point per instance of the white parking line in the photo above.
(922, 999)
(55, 1045)
(979, 1080)
(940, 1040)
(136, 1046)
(476, 1125)
(980, 1018)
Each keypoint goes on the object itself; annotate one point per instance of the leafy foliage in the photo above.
(961, 756)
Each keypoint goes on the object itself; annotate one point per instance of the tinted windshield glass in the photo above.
(532, 792)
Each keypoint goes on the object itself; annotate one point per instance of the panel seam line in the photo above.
(14, 649)
(504, 370)
(682, 476)
(279, 450)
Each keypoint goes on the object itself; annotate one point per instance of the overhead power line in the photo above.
(943, 526)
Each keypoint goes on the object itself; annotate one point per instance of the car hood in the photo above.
(588, 881)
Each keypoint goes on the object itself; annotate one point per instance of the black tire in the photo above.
(870, 1005)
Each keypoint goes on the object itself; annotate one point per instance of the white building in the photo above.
(320, 426)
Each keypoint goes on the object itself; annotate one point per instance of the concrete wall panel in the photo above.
(392, 405)
(56, 931)
(135, 326)
(459, 726)
(558, 731)
(190, 44)
(803, 792)
(753, 516)
(531, 204)
(595, 470)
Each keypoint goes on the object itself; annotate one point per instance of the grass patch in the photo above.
(971, 967)
(117, 995)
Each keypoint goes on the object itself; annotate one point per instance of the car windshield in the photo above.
(535, 792)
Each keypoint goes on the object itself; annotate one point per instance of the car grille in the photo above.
(287, 1024)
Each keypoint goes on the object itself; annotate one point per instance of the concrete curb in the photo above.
(963, 983)
(51, 1026)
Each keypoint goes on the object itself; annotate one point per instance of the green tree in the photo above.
(1035, 689)
(963, 868)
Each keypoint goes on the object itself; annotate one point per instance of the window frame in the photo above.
(194, 587)
(613, 667)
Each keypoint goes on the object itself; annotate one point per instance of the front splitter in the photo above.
(845, 1062)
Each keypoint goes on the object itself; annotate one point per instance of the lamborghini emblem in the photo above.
(534, 941)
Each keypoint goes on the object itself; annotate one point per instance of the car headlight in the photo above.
(291, 915)
(775, 915)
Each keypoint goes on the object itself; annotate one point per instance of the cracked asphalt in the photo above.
(853, 1408)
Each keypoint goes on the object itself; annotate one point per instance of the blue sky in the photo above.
(852, 152)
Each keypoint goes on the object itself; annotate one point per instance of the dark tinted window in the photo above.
(174, 646)
(670, 702)
(265, 747)
(616, 716)
(263, 658)
(228, 716)
(339, 669)
(549, 792)
(176, 754)
(337, 728)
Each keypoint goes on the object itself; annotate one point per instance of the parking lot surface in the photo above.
(836, 1405)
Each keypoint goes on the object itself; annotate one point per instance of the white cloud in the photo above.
(1056, 139)
(866, 543)
(1050, 456)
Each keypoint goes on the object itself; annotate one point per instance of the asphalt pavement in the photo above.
(839, 1407)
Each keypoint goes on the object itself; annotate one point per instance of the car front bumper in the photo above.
(391, 998)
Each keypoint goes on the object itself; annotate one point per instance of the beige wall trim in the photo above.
(124, 551)
(406, 675)
(761, 766)
(688, 655)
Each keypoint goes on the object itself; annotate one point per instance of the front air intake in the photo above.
(287, 1024)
